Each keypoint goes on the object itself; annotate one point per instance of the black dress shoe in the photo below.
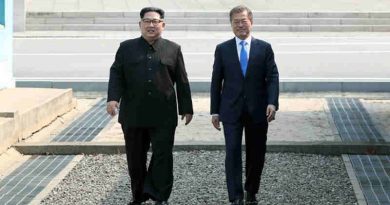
(161, 203)
(140, 200)
(237, 202)
(250, 199)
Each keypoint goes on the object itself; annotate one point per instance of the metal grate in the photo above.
(23, 184)
(354, 124)
(28, 180)
(86, 127)
(353, 121)
(373, 173)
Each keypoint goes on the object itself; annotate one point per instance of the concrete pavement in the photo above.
(307, 62)
(298, 56)
(323, 61)
(310, 111)
(304, 124)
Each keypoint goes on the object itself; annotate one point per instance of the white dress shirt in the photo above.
(247, 46)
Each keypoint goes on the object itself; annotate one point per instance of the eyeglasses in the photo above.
(155, 22)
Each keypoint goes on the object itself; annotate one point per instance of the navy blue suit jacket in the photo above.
(231, 91)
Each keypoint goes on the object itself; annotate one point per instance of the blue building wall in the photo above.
(2, 12)
(6, 31)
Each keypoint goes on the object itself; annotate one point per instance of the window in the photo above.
(2, 13)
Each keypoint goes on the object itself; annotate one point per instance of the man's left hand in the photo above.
(271, 112)
(188, 118)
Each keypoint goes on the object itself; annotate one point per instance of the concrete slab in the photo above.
(49, 132)
(309, 113)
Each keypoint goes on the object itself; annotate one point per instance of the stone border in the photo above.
(286, 85)
(319, 147)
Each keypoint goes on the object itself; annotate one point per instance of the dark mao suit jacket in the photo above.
(146, 91)
(231, 91)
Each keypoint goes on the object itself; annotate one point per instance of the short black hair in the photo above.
(151, 9)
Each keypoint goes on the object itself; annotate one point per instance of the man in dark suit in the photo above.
(244, 95)
(142, 79)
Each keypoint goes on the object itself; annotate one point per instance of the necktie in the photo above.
(243, 58)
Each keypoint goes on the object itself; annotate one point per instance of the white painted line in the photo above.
(338, 79)
(170, 35)
(207, 53)
(330, 52)
(62, 79)
(64, 54)
(203, 79)
(333, 43)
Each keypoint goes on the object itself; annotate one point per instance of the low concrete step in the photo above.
(211, 27)
(26, 110)
(213, 21)
(207, 21)
(322, 147)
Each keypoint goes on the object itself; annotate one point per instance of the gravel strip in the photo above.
(200, 179)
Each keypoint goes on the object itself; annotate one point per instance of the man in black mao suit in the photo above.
(142, 79)
(244, 96)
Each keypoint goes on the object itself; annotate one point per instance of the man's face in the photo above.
(241, 25)
(151, 26)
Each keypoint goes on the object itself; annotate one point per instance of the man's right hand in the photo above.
(112, 107)
(215, 121)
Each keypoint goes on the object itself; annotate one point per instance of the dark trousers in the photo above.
(255, 143)
(155, 181)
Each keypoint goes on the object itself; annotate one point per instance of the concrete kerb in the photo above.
(286, 85)
(319, 147)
